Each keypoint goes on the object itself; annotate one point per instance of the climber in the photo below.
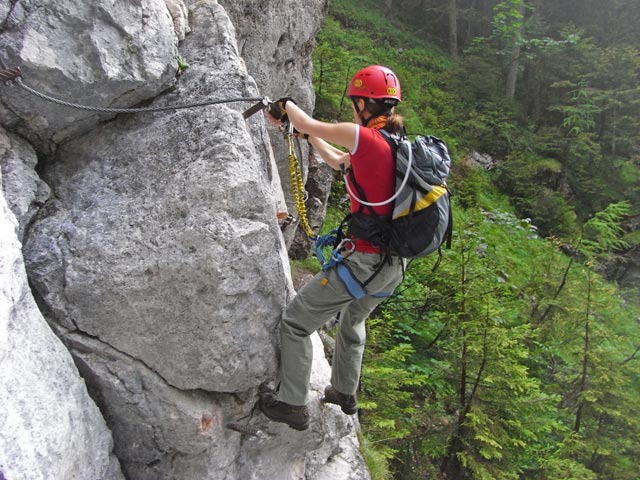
(374, 92)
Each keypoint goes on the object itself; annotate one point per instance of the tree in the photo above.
(482, 407)
(585, 339)
(514, 63)
(514, 359)
(508, 23)
(453, 28)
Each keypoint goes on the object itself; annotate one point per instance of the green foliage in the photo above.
(464, 373)
(489, 127)
(377, 462)
(580, 114)
(472, 186)
(498, 393)
(356, 35)
(513, 360)
(559, 464)
(531, 182)
(586, 338)
(386, 393)
(182, 64)
(603, 233)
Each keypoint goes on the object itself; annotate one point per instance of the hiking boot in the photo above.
(297, 417)
(348, 403)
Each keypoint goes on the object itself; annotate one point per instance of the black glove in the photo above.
(277, 109)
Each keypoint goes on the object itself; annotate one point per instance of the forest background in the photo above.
(516, 358)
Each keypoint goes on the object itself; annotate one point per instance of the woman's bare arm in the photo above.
(331, 155)
(343, 134)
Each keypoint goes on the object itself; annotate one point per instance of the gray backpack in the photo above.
(422, 219)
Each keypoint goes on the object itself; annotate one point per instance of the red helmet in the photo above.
(375, 81)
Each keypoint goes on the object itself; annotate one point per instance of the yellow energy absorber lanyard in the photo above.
(297, 187)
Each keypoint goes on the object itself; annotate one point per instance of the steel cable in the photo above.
(78, 106)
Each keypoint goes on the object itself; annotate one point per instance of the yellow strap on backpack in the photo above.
(425, 201)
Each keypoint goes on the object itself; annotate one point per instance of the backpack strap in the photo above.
(449, 233)
(391, 140)
(351, 174)
(369, 226)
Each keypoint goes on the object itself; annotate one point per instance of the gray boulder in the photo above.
(162, 238)
(100, 53)
(50, 426)
(152, 242)
(276, 40)
(25, 192)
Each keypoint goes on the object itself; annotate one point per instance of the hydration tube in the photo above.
(395, 195)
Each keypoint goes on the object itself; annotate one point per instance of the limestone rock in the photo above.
(5, 8)
(24, 191)
(50, 426)
(276, 40)
(155, 253)
(99, 53)
(305, 455)
(180, 16)
(162, 239)
(480, 160)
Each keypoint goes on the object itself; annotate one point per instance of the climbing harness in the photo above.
(14, 74)
(343, 248)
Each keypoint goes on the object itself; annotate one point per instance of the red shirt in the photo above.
(374, 170)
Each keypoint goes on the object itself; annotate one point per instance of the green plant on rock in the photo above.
(182, 64)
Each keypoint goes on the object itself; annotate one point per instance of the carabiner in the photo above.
(343, 246)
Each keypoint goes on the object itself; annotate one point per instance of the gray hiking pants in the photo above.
(316, 303)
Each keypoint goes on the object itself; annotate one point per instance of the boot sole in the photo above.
(296, 426)
(345, 410)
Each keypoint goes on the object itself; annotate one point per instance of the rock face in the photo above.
(276, 40)
(155, 221)
(480, 160)
(152, 243)
(50, 426)
(24, 189)
(106, 53)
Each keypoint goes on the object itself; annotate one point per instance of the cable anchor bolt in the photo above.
(8, 75)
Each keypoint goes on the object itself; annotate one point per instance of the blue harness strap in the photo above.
(328, 240)
(355, 288)
(353, 285)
